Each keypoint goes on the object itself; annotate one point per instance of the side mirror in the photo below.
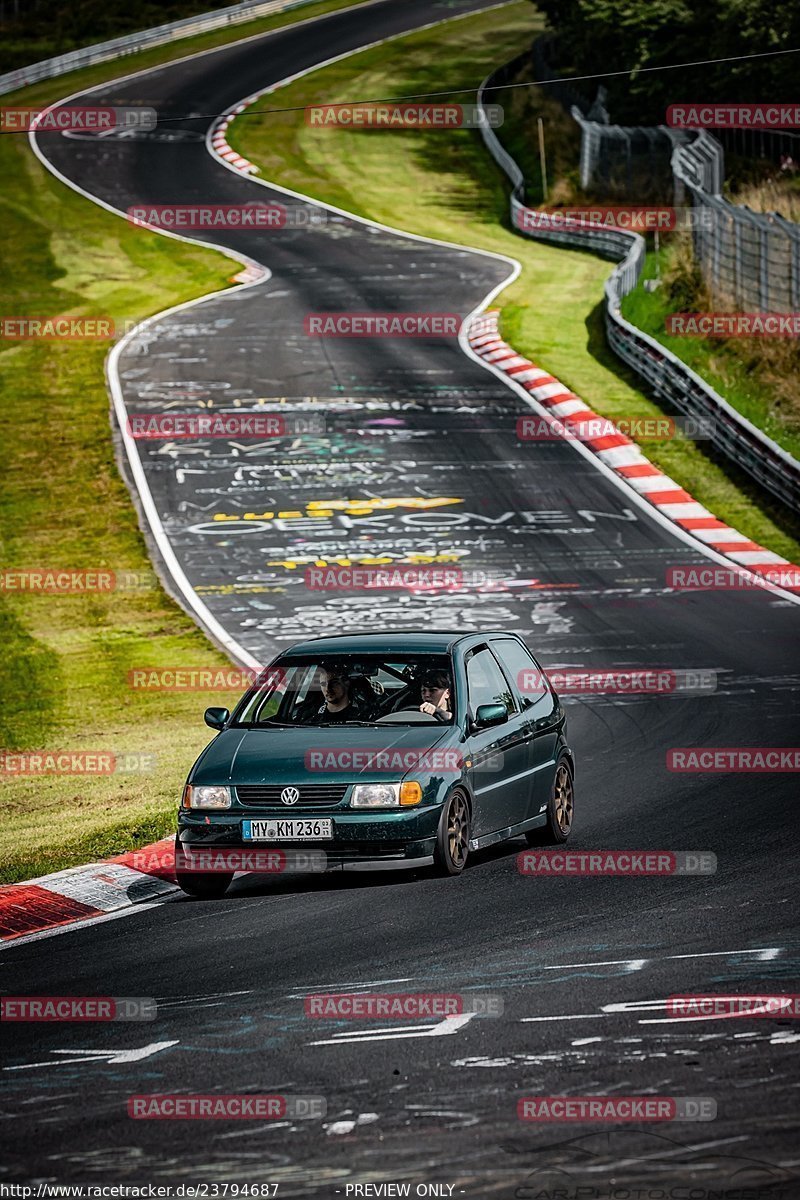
(216, 717)
(490, 714)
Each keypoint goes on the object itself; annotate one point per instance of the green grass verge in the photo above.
(444, 184)
(63, 671)
(759, 379)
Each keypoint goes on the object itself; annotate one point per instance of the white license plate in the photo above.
(272, 830)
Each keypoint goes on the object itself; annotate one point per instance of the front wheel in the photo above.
(560, 809)
(203, 885)
(452, 839)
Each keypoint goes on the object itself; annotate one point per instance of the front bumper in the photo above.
(366, 840)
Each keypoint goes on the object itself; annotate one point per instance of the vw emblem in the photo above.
(290, 795)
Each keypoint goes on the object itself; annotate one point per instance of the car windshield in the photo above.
(350, 690)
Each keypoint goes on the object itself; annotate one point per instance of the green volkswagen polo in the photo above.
(378, 752)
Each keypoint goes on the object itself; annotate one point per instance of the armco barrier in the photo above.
(670, 379)
(133, 43)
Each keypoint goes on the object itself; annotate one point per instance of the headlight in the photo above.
(206, 797)
(385, 795)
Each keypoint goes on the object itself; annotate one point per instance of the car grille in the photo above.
(312, 795)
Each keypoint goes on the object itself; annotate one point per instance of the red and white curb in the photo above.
(87, 892)
(625, 458)
(220, 142)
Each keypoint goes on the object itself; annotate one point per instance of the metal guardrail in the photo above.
(133, 43)
(670, 379)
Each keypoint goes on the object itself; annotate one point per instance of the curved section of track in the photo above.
(419, 457)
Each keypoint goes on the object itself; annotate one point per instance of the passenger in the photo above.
(435, 691)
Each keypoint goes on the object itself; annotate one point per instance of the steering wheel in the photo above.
(410, 716)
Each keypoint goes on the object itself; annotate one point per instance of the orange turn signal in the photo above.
(410, 793)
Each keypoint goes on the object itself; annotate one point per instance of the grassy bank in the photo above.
(760, 377)
(65, 662)
(445, 185)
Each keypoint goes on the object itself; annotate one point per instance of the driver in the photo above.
(435, 692)
(336, 691)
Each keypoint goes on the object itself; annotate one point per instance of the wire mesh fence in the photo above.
(750, 261)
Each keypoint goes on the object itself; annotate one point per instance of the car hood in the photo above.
(279, 756)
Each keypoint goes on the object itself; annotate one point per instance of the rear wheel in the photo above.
(560, 809)
(452, 839)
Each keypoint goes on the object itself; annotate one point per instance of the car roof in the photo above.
(409, 641)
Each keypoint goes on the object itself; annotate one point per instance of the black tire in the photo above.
(452, 838)
(560, 809)
(203, 886)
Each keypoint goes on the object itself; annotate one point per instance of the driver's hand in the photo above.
(430, 709)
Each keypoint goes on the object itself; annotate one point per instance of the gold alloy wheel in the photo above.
(563, 798)
(458, 830)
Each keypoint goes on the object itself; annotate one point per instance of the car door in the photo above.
(543, 718)
(498, 754)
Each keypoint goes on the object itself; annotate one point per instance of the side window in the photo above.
(486, 683)
(527, 677)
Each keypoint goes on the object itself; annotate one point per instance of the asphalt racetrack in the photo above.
(584, 966)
